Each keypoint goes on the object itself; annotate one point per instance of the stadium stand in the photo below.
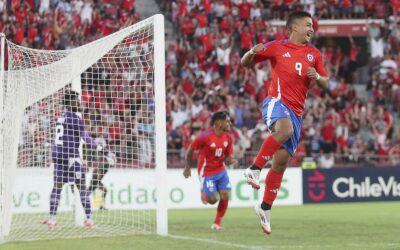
(204, 74)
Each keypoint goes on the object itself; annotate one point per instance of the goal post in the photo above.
(160, 120)
(2, 173)
(120, 80)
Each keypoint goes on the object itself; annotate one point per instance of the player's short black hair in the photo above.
(294, 16)
(69, 96)
(220, 115)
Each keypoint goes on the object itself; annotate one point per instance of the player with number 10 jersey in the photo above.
(216, 149)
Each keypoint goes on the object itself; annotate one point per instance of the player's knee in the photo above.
(280, 167)
(212, 200)
(224, 195)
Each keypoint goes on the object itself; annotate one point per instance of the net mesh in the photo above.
(93, 164)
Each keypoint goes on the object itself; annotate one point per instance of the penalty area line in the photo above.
(225, 243)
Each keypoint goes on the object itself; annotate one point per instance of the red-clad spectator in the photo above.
(187, 86)
(388, 118)
(370, 7)
(279, 34)
(244, 11)
(201, 54)
(19, 36)
(182, 8)
(225, 25)
(202, 19)
(128, 5)
(76, 19)
(21, 15)
(246, 39)
(207, 41)
(263, 37)
(328, 136)
(207, 4)
(87, 97)
(187, 27)
(32, 33)
(347, 8)
(250, 88)
(15, 5)
(114, 133)
(258, 25)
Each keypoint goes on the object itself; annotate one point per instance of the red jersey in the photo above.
(289, 62)
(213, 150)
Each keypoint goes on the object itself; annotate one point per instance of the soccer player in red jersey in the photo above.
(216, 149)
(295, 64)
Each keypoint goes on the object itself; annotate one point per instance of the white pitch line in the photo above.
(225, 243)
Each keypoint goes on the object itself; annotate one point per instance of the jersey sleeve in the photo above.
(320, 66)
(199, 142)
(267, 53)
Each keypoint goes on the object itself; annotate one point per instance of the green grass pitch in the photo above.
(324, 226)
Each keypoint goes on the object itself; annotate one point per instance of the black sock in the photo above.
(265, 206)
(254, 167)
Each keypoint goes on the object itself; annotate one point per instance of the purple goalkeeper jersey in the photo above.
(70, 130)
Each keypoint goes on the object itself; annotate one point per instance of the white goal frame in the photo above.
(6, 181)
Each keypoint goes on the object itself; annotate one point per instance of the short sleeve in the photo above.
(199, 142)
(267, 53)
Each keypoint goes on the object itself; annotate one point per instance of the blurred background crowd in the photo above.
(355, 123)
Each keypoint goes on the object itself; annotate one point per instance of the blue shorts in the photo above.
(215, 183)
(68, 170)
(272, 110)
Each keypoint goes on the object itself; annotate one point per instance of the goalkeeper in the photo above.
(68, 167)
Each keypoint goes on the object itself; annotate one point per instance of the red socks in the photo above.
(222, 207)
(267, 150)
(273, 183)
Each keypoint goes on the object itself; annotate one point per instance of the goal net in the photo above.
(82, 139)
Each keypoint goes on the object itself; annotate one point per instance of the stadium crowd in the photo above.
(203, 73)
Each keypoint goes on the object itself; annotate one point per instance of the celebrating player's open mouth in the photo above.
(309, 35)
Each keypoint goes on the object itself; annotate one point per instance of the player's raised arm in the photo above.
(248, 58)
(188, 162)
